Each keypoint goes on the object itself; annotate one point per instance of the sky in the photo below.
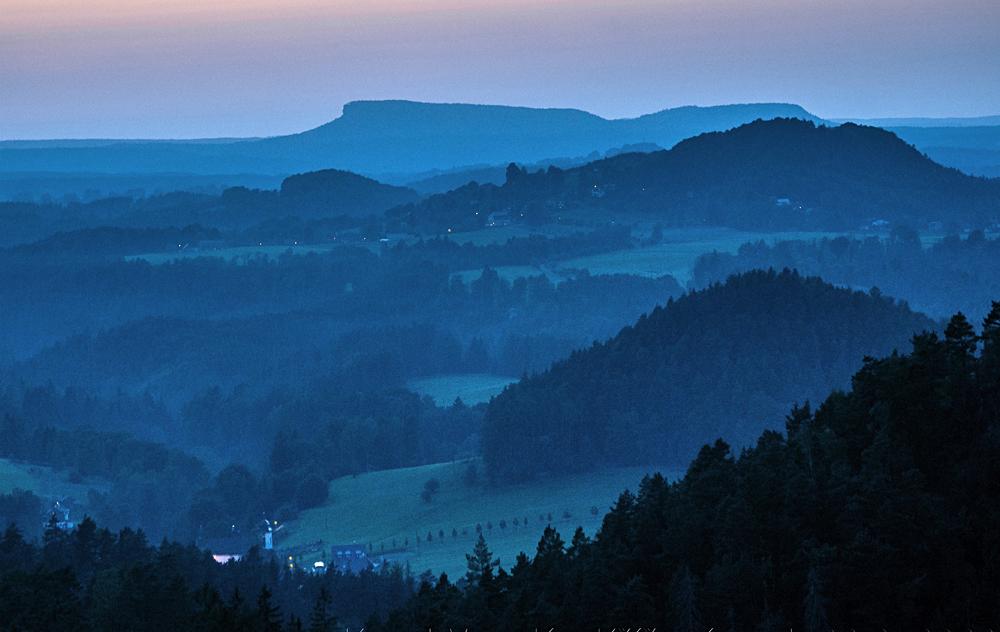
(209, 68)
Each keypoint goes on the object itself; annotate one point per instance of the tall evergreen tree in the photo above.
(814, 616)
(268, 614)
(320, 619)
(684, 614)
(481, 564)
(960, 335)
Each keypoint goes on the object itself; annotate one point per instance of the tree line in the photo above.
(92, 579)
(954, 273)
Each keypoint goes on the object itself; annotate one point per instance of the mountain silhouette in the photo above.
(381, 138)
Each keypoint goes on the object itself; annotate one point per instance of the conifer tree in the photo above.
(960, 336)
(683, 603)
(480, 564)
(268, 614)
(320, 619)
(815, 604)
(578, 544)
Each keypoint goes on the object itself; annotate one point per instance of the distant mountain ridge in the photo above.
(400, 141)
(926, 121)
(392, 137)
(973, 146)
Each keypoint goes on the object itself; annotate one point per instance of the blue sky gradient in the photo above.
(140, 68)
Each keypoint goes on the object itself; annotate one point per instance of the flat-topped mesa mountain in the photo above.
(728, 361)
(779, 173)
(396, 137)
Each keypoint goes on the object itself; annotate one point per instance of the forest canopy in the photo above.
(724, 361)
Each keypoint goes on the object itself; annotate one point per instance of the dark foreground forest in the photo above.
(873, 510)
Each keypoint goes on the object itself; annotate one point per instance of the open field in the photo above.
(930, 239)
(473, 388)
(41, 480)
(500, 234)
(675, 255)
(485, 236)
(382, 508)
(678, 251)
(236, 253)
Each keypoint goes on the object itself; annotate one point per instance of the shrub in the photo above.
(431, 488)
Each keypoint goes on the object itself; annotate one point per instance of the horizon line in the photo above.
(343, 107)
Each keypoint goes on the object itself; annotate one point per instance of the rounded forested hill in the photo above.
(773, 174)
(727, 361)
(334, 192)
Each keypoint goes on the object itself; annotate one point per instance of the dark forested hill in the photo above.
(727, 361)
(766, 174)
(442, 181)
(333, 192)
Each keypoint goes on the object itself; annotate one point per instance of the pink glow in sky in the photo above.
(183, 68)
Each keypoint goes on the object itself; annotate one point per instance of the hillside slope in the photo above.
(333, 192)
(384, 509)
(725, 362)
